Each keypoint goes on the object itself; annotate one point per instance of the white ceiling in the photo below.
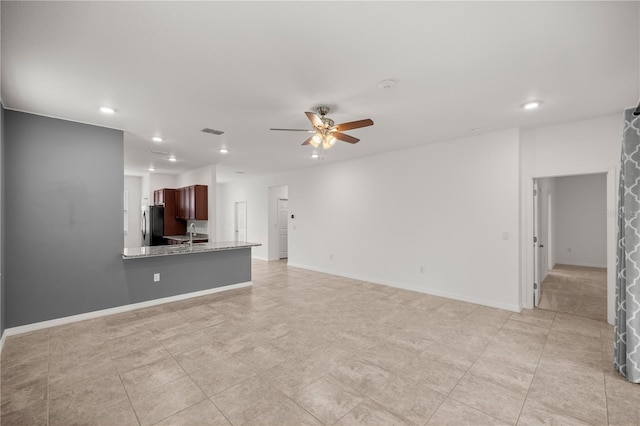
(173, 68)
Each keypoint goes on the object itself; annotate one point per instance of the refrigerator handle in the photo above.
(144, 225)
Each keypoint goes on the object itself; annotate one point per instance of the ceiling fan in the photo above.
(326, 131)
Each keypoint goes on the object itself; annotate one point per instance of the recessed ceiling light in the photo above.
(172, 159)
(152, 169)
(107, 110)
(223, 150)
(531, 105)
(314, 155)
(156, 139)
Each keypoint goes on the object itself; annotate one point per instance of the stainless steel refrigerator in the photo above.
(153, 226)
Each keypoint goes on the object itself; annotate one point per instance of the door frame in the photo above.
(537, 282)
(526, 271)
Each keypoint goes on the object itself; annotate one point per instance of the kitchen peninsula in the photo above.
(157, 272)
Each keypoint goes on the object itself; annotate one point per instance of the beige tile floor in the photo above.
(576, 290)
(305, 348)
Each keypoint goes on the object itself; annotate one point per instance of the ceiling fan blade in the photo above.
(307, 142)
(295, 130)
(315, 120)
(345, 138)
(354, 124)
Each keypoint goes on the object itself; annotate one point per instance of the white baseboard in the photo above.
(2, 339)
(260, 258)
(118, 309)
(476, 300)
(585, 264)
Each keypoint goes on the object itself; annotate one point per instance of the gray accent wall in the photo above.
(2, 320)
(63, 214)
(185, 273)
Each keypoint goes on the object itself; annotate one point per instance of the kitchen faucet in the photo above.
(192, 229)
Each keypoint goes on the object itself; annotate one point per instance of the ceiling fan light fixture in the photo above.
(316, 140)
(326, 133)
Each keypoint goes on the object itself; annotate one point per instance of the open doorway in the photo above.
(570, 245)
(278, 219)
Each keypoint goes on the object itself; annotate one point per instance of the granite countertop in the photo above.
(184, 238)
(171, 250)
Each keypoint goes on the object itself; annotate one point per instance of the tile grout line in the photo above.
(135, 413)
(181, 367)
(536, 369)
(126, 392)
(207, 397)
(466, 372)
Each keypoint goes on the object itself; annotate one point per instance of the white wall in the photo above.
(255, 191)
(581, 237)
(145, 185)
(442, 207)
(133, 186)
(581, 147)
(160, 181)
(202, 176)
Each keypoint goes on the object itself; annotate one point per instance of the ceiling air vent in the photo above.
(212, 131)
(159, 152)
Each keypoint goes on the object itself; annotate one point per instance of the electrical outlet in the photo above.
(422, 269)
(156, 277)
(331, 256)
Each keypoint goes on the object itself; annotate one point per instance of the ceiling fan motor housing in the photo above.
(323, 110)
(328, 123)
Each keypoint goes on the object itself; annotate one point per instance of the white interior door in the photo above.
(241, 221)
(536, 244)
(283, 228)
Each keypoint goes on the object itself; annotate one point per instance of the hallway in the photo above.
(576, 290)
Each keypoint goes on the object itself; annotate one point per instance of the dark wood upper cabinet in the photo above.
(200, 202)
(193, 203)
(182, 202)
